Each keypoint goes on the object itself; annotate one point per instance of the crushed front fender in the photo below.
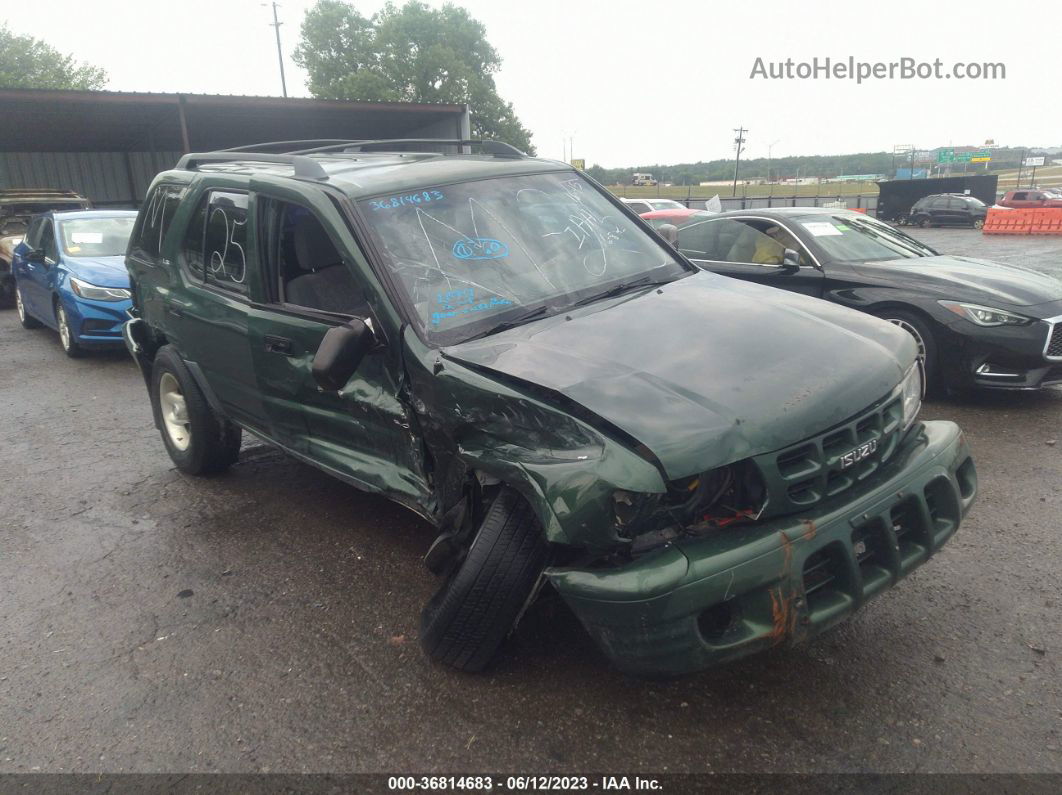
(704, 601)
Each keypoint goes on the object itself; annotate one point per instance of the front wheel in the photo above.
(198, 440)
(927, 344)
(466, 622)
(978, 223)
(925, 223)
(66, 334)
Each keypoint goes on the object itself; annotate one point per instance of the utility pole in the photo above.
(739, 141)
(280, 53)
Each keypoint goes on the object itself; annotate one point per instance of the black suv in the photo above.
(948, 209)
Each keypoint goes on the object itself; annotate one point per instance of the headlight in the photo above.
(985, 315)
(912, 388)
(94, 293)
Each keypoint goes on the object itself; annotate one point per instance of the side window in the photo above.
(33, 234)
(1021, 196)
(191, 254)
(956, 204)
(225, 241)
(302, 261)
(154, 221)
(47, 241)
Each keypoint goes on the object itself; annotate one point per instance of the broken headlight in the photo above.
(716, 498)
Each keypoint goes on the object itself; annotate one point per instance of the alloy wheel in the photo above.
(914, 333)
(19, 306)
(64, 327)
(174, 412)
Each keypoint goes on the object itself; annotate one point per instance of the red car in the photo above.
(1030, 198)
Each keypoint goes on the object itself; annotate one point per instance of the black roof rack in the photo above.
(294, 153)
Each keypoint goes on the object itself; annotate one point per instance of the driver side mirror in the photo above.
(340, 353)
(36, 256)
(791, 260)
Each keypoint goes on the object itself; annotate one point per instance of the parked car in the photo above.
(69, 275)
(648, 205)
(497, 343)
(17, 206)
(1020, 199)
(948, 209)
(977, 323)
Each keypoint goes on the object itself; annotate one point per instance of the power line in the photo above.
(739, 141)
(280, 52)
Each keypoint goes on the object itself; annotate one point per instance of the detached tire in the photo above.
(467, 621)
(198, 440)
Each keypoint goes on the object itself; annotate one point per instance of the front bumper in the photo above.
(705, 601)
(97, 324)
(1011, 358)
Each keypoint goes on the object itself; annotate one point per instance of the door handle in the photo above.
(280, 345)
(170, 310)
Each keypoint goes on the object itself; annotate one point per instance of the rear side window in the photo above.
(224, 252)
(154, 221)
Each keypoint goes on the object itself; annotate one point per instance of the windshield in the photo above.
(862, 239)
(470, 256)
(96, 237)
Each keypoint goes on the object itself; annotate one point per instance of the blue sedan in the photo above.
(70, 275)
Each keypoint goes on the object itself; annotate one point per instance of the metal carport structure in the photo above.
(108, 145)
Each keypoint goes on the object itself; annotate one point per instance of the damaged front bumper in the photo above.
(700, 602)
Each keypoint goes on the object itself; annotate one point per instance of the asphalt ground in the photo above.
(266, 620)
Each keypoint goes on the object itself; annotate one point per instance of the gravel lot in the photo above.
(267, 619)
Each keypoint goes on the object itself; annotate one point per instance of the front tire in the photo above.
(24, 317)
(66, 334)
(978, 223)
(198, 440)
(926, 342)
(925, 223)
(467, 621)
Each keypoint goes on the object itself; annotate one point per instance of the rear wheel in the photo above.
(66, 334)
(466, 622)
(23, 317)
(198, 440)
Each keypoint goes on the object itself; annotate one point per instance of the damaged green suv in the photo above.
(700, 466)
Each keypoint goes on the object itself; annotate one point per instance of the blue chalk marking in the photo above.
(479, 248)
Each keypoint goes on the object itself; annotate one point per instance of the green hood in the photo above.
(708, 370)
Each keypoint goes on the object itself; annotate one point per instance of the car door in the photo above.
(313, 281)
(36, 279)
(751, 248)
(208, 317)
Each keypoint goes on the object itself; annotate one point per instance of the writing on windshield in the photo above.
(479, 251)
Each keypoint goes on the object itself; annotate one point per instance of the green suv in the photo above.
(701, 467)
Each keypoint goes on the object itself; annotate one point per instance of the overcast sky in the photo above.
(638, 83)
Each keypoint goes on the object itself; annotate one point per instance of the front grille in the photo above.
(1054, 342)
(826, 465)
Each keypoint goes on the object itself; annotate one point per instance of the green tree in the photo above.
(412, 53)
(26, 62)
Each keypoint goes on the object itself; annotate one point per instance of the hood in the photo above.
(968, 279)
(101, 271)
(709, 370)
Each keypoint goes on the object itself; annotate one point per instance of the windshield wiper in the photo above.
(622, 287)
(513, 322)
